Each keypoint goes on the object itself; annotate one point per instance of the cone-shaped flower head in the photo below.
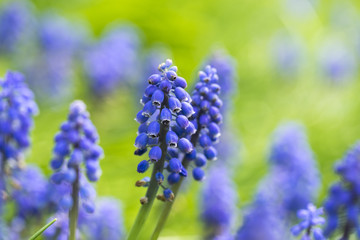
(293, 172)
(310, 219)
(17, 108)
(165, 127)
(206, 119)
(76, 149)
(343, 203)
(218, 202)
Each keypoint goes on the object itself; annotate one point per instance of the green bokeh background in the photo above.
(264, 98)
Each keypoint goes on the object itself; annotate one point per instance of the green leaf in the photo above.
(38, 233)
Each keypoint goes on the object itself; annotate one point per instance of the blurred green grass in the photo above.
(192, 28)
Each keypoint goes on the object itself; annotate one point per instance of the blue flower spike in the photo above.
(205, 120)
(165, 127)
(76, 156)
(343, 203)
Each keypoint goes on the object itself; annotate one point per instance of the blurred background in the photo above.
(295, 60)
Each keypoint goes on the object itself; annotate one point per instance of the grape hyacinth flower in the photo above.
(262, 221)
(15, 17)
(76, 145)
(310, 219)
(218, 203)
(206, 104)
(343, 203)
(58, 42)
(293, 176)
(206, 118)
(164, 125)
(165, 129)
(112, 60)
(30, 197)
(17, 109)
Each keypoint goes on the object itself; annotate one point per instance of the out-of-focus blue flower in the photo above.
(105, 223)
(218, 203)
(15, 20)
(337, 62)
(17, 108)
(310, 219)
(58, 41)
(294, 176)
(76, 145)
(165, 125)
(113, 60)
(262, 221)
(207, 117)
(343, 203)
(286, 54)
(30, 192)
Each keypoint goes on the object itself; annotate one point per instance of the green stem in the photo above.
(41, 230)
(166, 209)
(175, 189)
(153, 185)
(74, 211)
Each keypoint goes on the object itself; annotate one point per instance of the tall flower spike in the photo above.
(218, 203)
(204, 128)
(164, 123)
(343, 203)
(310, 219)
(206, 119)
(164, 101)
(77, 152)
(17, 108)
(293, 172)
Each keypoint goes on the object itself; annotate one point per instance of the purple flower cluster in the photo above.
(262, 221)
(207, 117)
(218, 202)
(17, 108)
(76, 144)
(293, 173)
(14, 21)
(310, 218)
(112, 60)
(56, 44)
(165, 127)
(30, 192)
(343, 204)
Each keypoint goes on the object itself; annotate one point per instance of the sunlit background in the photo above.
(295, 60)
